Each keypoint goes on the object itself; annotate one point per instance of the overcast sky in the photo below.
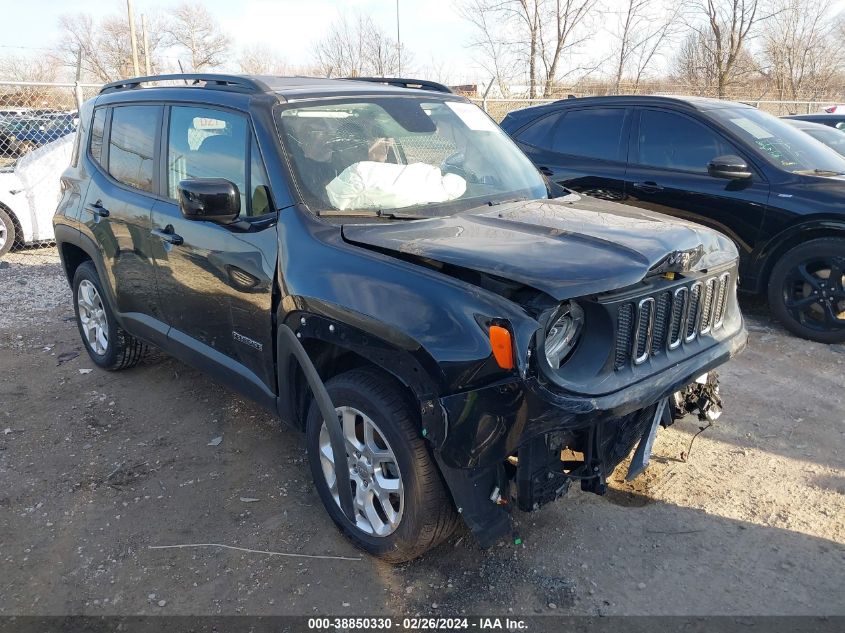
(431, 30)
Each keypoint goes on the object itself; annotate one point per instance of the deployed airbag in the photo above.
(374, 185)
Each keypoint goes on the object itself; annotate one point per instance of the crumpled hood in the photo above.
(563, 248)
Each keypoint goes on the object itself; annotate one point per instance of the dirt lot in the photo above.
(97, 468)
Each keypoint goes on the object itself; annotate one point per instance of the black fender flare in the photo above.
(286, 339)
(69, 235)
(395, 353)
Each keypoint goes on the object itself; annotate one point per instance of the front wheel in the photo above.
(401, 506)
(807, 290)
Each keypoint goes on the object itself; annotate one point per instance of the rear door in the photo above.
(116, 213)
(583, 149)
(667, 172)
(215, 281)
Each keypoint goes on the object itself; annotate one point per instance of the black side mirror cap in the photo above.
(211, 199)
(729, 167)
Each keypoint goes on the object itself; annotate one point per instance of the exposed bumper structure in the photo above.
(504, 441)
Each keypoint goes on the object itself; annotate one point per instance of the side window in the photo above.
(592, 133)
(259, 199)
(671, 141)
(98, 126)
(132, 145)
(206, 143)
(539, 133)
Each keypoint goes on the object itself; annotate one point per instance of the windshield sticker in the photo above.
(752, 128)
(472, 116)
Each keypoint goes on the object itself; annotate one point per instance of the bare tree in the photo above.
(643, 29)
(495, 53)
(356, 46)
(260, 59)
(28, 68)
(192, 29)
(103, 46)
(724, 28)
(537, 36)
(799, 50)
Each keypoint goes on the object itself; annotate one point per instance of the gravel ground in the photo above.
(98, 469)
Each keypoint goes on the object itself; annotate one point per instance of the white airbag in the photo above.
(374, 185)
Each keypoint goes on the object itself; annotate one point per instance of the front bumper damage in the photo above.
(522, 443)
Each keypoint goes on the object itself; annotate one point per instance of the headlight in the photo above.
(564, 332)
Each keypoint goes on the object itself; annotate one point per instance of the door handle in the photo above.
(545, 170)
(98, 209)
(167, 235)
(647, 186)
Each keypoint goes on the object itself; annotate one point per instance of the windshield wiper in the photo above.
(820, 172)
(371, 213)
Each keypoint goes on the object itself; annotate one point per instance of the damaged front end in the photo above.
(644, 359)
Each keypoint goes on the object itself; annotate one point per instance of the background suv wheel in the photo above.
(401, 505)
(807, 290)
(7, 233)
(109, 346)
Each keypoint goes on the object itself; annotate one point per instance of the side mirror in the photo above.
(730, 167)
(210, 199)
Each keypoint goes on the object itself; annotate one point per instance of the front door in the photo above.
(667, 172)
(215, 281)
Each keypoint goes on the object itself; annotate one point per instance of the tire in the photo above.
(802, 295)
(7, 232)
(119, 350)
(424, 515)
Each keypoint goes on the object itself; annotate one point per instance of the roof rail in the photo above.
(214, 81)
(419, 84)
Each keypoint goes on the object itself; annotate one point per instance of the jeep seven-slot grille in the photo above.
(651, 325)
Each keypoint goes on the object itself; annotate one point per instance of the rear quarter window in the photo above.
(589, 133)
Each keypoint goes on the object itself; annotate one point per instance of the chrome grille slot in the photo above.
(625, 321)
(643, 330)
(721, 300)
(707, 305)
(693, 311)
(679, 310)
(662, 313)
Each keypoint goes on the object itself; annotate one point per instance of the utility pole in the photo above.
(132, 38)
(398, 41)
(146, 45)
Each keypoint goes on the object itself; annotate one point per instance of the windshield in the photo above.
(830, 136)
(779, 143)
(425, 157)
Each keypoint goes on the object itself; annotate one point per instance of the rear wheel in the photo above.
(807, 290)
(108, 345)
(7, 233)
(401, 505)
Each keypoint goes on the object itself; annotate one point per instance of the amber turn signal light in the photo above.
(500, 341)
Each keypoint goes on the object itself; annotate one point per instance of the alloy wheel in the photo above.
(4, 234)
(814, 293)
(378, 495)
(92, 317)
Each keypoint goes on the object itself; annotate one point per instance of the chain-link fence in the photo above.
(34, 114)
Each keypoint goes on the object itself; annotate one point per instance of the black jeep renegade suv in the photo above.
(378, 263)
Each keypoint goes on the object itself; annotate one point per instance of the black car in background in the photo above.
(833, 137)
(777, 192)
(830, 120)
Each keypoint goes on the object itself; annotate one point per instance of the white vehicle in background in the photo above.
(29, 192)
